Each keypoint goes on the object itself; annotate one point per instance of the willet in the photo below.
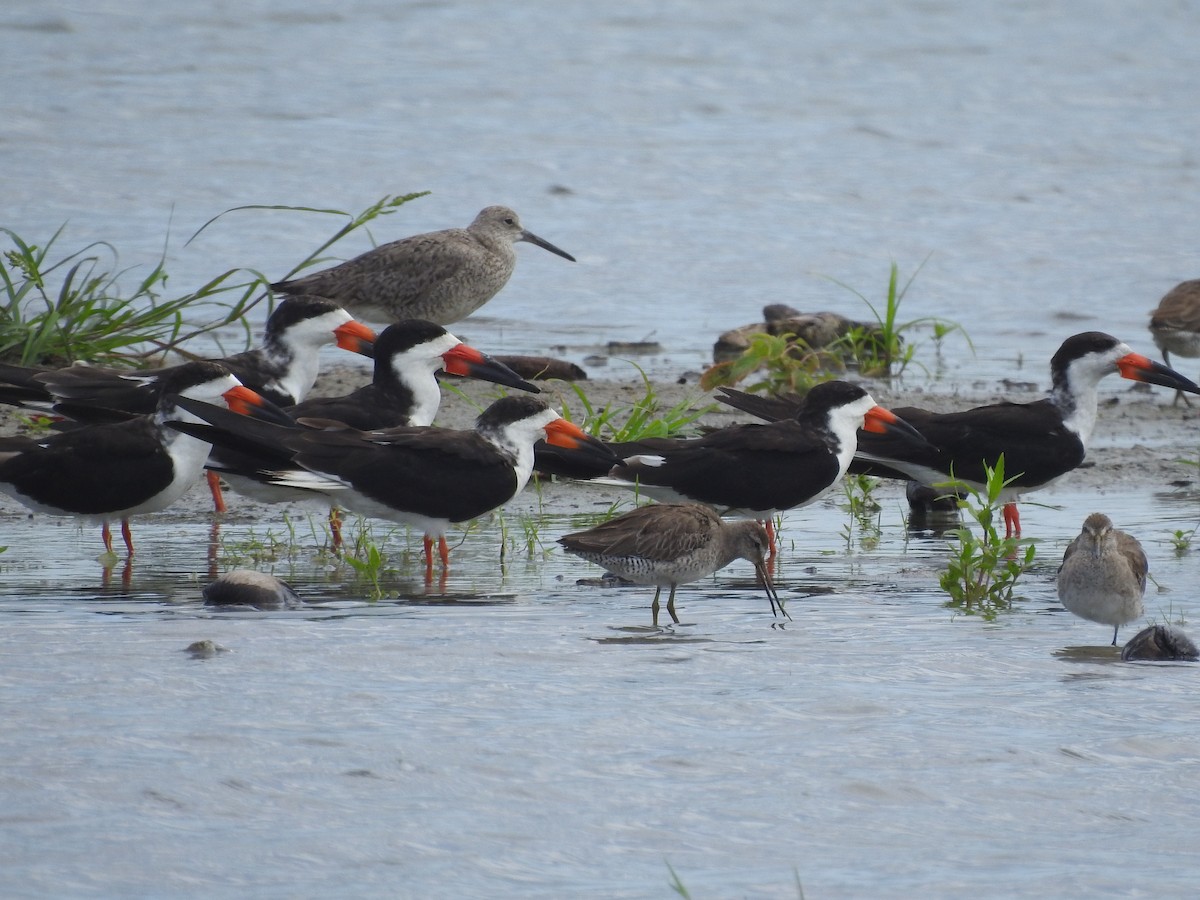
(1175, 324)
(1103, 574)
(669, 544)
(442, 276)
(1160, 642)
(1041, 441)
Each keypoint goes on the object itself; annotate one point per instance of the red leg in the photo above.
(214, 485)
(1012, 521)
(444, 552)
(428, 544)
(335, 528)
(106, 533)
(127, 535)
(769, 524)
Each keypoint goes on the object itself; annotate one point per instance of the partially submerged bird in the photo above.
(424, 477)
(246, 587)
(1040, 441)
(109, 472)
(669, 544)
(1103, 574)
(1175, 324)
(1160, 643)
(442, 276)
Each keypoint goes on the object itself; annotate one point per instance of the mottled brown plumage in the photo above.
(669, 544)
(442, 276)
(1175, 324)
(1103, 574)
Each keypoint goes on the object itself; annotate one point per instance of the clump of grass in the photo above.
(982, 571)
(878, 350)
(646, 418)
(864, 510)
(787, 364)
(60, 307)
(1181, 540)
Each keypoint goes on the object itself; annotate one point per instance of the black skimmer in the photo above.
(282, 369)
(442, 276)
(1160, 643)
(113, 471)
(1103, 574)
(403, 392)
(1175, 324)
(404, 389)
(1041, 441)
(424, 477)
(757, 470)
(669, 544)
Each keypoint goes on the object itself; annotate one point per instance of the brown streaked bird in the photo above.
(1175, 324)
(669, 544)
(1103, 574)
(246, 587)
(442, 276)
(1041, 441)
(113, 471)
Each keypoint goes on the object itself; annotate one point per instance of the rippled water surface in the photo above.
(514, 734)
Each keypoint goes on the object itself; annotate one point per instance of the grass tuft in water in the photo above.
(982, 571)
(58, 307)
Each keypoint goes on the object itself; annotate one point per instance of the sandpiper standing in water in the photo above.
(1103, 574)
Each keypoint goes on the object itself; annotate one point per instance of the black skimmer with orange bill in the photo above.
(758, 470)
(669, 544)
(1175, 324)
(428, 477)
(1041, 441)
(282, 369)
(113, 471)
(404, 391)
(1103, 574)
(442, 276)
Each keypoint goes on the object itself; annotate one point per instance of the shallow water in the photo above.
(699, 161)
(516, 734)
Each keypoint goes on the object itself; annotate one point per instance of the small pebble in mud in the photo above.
(245, 587)
(205, 649)
(1160, 642)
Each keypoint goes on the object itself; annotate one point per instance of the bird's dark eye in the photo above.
(509, 222)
